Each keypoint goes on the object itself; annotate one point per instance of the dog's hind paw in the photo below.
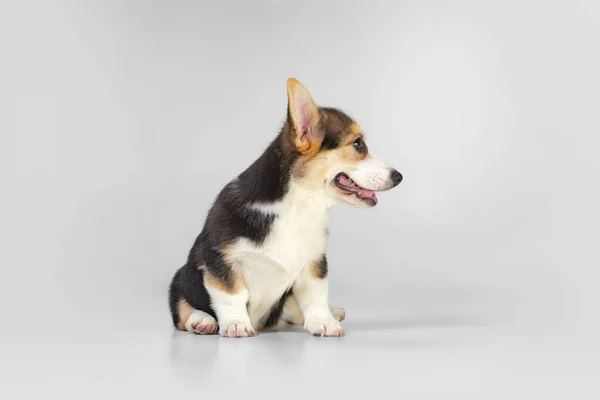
(201, 323)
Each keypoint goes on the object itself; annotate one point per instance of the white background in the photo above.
(477, 276)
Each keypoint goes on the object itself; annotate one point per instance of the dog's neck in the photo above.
(298, 200)
(304, 199)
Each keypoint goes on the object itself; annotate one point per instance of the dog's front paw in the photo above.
(236, 329)
(323, 327)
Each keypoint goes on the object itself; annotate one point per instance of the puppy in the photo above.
(260, 260)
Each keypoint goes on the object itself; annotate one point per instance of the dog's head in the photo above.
(333, 153)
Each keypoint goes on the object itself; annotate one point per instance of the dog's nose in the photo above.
(396, 177)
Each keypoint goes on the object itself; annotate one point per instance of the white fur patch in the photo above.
(373, 174)
(231, 312)
(297, 238)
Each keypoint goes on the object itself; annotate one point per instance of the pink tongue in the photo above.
(366, 193)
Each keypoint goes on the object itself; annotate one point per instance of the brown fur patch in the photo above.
(339, 126)
(346, 148)
(229, 279)
(355, 130)
(184, 310)
(220, 284)
(349, 155)
(318, 269)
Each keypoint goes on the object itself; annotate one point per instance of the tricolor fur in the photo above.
(260, 260)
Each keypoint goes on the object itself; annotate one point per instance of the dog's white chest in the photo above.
(296, 238)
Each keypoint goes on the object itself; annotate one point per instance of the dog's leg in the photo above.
(229, 299)
(188, 317)
(195, 321)
(292, 314)
(311, 292)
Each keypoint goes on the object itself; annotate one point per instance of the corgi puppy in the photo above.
(259, 262)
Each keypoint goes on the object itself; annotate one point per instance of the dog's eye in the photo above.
(359, 145)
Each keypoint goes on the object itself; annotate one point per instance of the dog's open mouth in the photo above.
(344, 182)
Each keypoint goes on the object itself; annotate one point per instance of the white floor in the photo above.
(393, 355)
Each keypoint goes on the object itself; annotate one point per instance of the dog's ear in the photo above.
(304, 116)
